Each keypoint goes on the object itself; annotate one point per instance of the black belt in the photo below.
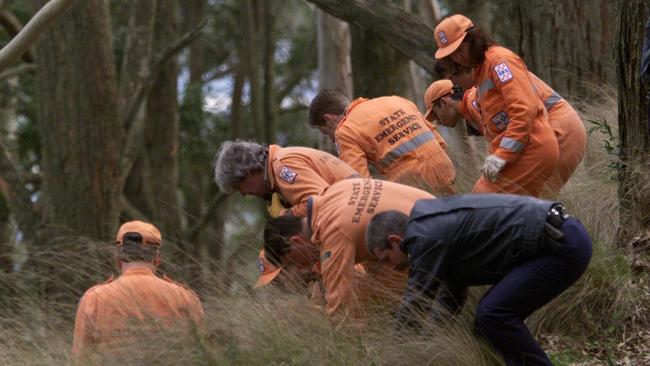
(554, 219)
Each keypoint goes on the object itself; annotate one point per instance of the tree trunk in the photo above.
(77, 93)
(334, 63)
(634, 173)
(135, 69)
(270, 108)
(162, 130)
(251, 55)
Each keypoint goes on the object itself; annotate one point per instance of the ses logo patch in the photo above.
(503, 72)
(287, 174)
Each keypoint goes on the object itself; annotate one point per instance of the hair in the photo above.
(133, 249)
(277, 232)
(237, 160)
(381, 226)
(327, 101)
(444, 67)
(478, 41)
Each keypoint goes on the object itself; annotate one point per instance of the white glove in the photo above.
(492, 166)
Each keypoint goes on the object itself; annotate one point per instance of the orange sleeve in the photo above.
(350, 151)
(522, 105)
(306, 182)
(84, 325)
(338, 274)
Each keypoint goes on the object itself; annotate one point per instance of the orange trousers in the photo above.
(529, 174)
(572, 142)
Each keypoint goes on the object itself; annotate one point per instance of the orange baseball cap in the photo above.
(150, 234)
(435, 91)
(449, 34)
(267, 269)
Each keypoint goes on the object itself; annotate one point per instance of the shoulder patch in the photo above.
(503, 72)
(501, 120)
(260, 265)
(325, 256)
(287, 174)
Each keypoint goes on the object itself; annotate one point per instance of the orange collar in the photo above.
(352, 105)
(138, 271)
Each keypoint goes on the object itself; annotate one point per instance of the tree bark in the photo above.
(162, 130)
(77, 94)
(134, 71)
(634, 172)
(251, 55)
(270, 108)
(334, 62)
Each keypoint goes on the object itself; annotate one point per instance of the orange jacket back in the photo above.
(112, 312)
(338, 221)
(391, 134)
(299, 172)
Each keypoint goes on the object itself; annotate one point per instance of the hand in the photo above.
(276, 207)
(492, 166)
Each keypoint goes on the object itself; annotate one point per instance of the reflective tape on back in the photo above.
(552, 100)
(512, 145)
(405, 148)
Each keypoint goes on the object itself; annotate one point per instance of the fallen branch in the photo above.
(12, 25)
(32, 30)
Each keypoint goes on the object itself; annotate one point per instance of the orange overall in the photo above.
(299, 172)
(564, 120)
(338, 221)
(515, 123)
(392, 135)
(132, 304)
(569, 131)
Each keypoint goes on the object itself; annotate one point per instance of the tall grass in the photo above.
(273, 326)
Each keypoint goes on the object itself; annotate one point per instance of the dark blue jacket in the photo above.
(467, 240)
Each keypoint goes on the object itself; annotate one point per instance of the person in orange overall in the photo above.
(388, 133)
(293, 172)
(334, 234)
(563, 119)
(137, 303)
(296, 275)
(447, 106)
(523, 151)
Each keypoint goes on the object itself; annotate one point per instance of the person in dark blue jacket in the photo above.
(530, 250)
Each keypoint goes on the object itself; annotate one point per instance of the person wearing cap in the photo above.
(567, 125)
(523, 150)
(137, 303)
(388, 133)
(445, 105)
(293, 172)
(333, 232)
(529, 250)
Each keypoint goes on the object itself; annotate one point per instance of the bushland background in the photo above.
(116, 112)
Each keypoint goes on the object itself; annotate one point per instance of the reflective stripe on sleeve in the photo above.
(405, 148)
(512, 145)
(552, 100)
